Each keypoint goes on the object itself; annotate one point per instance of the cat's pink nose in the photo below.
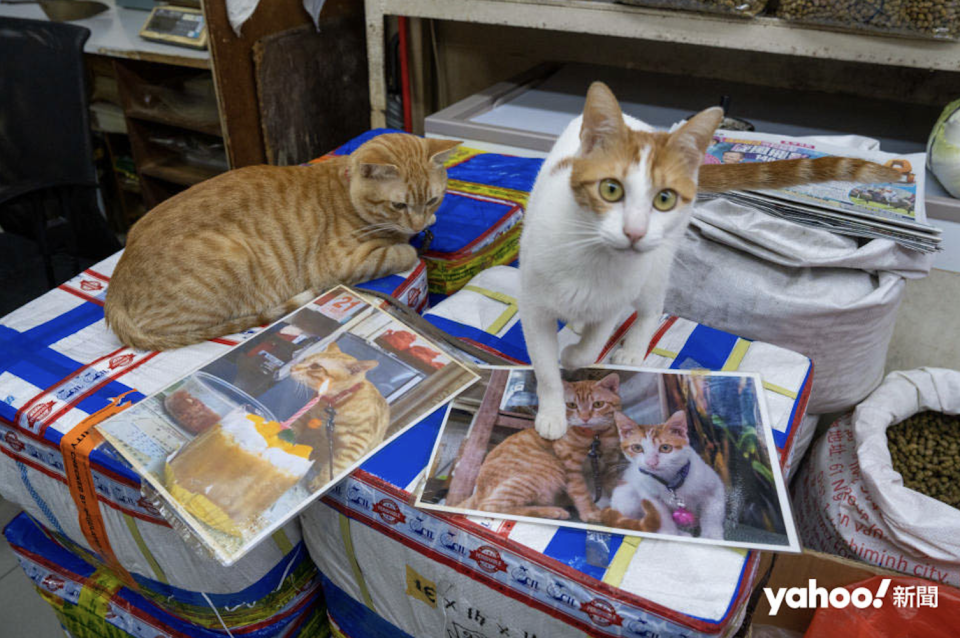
(634, 235)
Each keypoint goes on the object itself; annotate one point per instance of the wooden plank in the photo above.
(177, 172)
(312, 88)
(474, 450)
(234, 71)
(516, 423)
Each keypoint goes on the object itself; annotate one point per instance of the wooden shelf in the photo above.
(606, 17)
(176, 172)
(160, 117)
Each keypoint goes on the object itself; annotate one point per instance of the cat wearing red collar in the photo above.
(360, 413)
(665, 469)
(527, 475)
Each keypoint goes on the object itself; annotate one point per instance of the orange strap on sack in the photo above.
(76, 446)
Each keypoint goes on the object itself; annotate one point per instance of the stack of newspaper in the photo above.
(893, 211)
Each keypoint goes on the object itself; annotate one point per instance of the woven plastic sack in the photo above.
(938, 19)
(746, 8)
(92, 602)
(850, 501)
(805, 289)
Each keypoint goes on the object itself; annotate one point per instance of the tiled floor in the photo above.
(24, 613)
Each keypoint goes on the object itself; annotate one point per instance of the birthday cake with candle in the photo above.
(235, 470)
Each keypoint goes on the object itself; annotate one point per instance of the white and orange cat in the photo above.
(605, 217)
(666, 470)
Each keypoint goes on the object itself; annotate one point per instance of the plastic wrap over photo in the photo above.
(239, 446)
(684, 455)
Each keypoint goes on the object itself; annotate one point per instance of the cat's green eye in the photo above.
(398, 205)
(636, 447)
(666, 447)
(597, 405)
(571, 406)
(432, 201)
(665, 200)
(611, 190)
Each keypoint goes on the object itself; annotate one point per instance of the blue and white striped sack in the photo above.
(59, 363)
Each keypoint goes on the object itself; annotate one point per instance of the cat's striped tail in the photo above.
(717, 178)
(649, 523)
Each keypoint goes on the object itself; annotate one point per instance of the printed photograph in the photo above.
(239, 446)
(670, 454)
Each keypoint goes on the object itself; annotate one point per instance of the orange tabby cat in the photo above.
(360, 413)
(249, 246)
(526, 474)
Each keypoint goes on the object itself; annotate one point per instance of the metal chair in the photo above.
(48, 181)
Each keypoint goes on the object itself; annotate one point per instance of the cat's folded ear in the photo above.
(695, 135)
(363, 366)
(625, 424)
(379, 171)
(677, 423)
(610, 382)
(332, 347)
(438, 150)
(603, 126)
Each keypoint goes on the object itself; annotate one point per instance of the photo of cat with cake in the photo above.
(243, 443)
(350, 417)
(661, 453)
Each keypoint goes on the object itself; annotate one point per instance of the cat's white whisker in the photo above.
(373, 229)
(582, 243)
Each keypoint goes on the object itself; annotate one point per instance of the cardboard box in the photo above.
(796, 570)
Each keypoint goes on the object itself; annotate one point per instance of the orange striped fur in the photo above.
(253, 244)
(649, 523)
(716, 178)
(361, 419)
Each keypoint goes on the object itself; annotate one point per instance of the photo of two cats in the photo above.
(664, 453)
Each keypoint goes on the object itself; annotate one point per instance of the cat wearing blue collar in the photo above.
(664, 468)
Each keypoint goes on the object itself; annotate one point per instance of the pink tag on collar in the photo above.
(684, 517)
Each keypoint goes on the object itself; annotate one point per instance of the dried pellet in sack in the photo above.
(927, 18)
(925, 450)
(732, 7)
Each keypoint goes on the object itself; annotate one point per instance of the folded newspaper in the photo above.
(238, 447)
(893, 211)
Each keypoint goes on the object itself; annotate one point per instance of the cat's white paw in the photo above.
(712, 531)
(551, 424)
(573, 357)
(624, 357)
